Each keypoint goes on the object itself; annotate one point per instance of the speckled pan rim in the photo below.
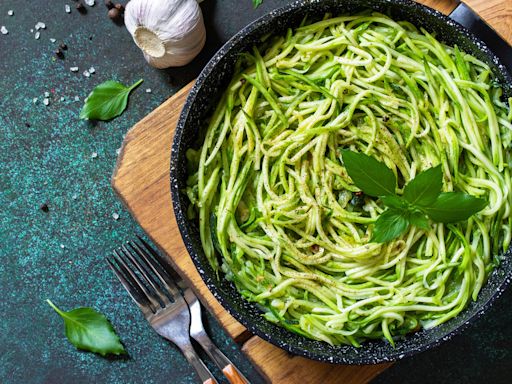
(329, 354)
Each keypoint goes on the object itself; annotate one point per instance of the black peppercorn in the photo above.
(80, 7)
(114, 14)
(63, 46)
(120, 7)
(385, 119)
(59, 53)
(44, 207)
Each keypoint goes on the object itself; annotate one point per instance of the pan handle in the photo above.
(464, 15)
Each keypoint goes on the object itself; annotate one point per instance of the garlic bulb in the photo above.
(170, 33)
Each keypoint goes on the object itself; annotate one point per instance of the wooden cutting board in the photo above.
(141, 179)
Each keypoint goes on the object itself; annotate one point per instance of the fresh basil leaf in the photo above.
(256, 3)
(425, 187)
(394, 201)
(368, 174)
(89, 330)
(451, 207)
(107, 100)
(390, 224)
(418, 219)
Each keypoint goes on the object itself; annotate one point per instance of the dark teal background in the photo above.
(45, 157)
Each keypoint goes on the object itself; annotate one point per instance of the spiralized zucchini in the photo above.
(278, 214)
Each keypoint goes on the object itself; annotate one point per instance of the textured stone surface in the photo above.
(51, 162)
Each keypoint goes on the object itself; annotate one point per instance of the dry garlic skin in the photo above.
(170, 33)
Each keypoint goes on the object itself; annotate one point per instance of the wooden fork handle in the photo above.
(233, 375)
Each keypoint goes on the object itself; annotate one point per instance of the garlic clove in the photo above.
(170, 33)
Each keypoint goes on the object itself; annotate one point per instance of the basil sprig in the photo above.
(89, 330)
(256, 3)
(422, 198)
(107, 100)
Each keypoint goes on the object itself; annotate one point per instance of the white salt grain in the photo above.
(31, 30)
(86, 73)
(67, 8)
(94, 155)
(36, 36)
(92, 70)
(118, 151)
(90, 3)
(4, 30)
(62, 246)
(115, 216)
(35, 100)
(46, 101)
(62, 98)
(53, 40)
(77, 98)
(40, 25)
(73, 69)
(47, 94)
(75, 196)
(148, 90)
(10, 12)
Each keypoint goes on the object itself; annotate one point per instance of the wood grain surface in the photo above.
(141, 180)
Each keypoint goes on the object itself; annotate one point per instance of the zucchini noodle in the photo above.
(278, 214)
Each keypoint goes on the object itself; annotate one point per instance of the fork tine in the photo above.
(137, 296)
(172, 275)
(156, 266)
(136, 280)
(168, 272)
(142, 268)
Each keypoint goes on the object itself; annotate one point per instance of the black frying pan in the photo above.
(475, 37)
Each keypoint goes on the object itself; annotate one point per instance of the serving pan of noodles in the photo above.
(284, 232)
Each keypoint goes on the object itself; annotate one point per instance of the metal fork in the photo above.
(197, 331)
(150, 284)
(151, 292)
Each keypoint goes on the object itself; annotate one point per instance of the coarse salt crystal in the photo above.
(90, 3)
(115, 216)
(40, 25)
(86, 73)
(35, 100)
(67, 8)
(118, 151)
(62, 246)
(77, 98)
(92, 70)
(47, 94)
(94, 155)
(4, 30)
(73, 69)
(46, 101)
(148, 90)
(31, 30)
(10, 12)
(75, 196)
(36, 36)
(53, 40)
(62, 98)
